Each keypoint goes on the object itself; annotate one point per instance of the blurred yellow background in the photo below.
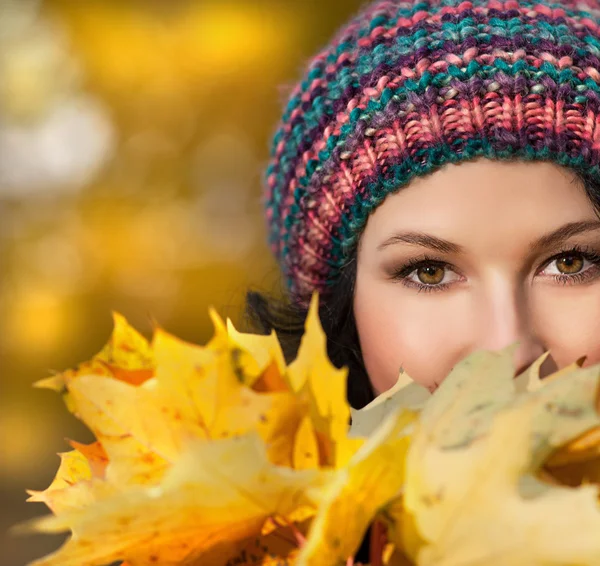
(133, 139)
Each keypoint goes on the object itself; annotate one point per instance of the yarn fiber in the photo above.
(407, 87)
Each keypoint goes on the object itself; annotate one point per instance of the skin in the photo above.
(500, 290)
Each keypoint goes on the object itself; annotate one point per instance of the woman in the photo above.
(436, 179)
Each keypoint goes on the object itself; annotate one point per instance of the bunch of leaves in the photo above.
(499, 470)
(223, 455)
(203, 453)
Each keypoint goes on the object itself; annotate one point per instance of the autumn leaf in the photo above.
(321, 437)
(196, 393)
(74, 468)
(373, 477)
(266, 350)
(95, 456)
(322, 386)
(489, 505)
(406, 393)
(460, 411)
(201, 396)
(127, 356)
(79, 468)
(530, 379)
(277, 548)
(139, 438)
(202, 502)
(206, 387)
(578, 461)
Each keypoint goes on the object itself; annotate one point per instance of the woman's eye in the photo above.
(430, 275)
(569, 264)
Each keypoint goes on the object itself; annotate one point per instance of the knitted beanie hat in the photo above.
(407, 87)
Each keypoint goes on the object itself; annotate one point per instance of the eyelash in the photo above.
(585, 252)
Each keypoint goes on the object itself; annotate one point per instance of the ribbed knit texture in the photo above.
(407, 87)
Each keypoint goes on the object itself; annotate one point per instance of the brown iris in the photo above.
(569, 264)
(431, 275)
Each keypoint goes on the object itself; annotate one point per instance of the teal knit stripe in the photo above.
(304, 131)
(533, 33)
(435, 158)
(578, 87)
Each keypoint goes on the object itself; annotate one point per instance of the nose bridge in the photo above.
(506, 318)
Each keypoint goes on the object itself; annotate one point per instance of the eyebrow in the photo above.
(424, 240)
(563, 233)
(445, 246)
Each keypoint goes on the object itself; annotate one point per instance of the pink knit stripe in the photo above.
(436, 18)
(372, 93)
(536, 116)
(452, 120)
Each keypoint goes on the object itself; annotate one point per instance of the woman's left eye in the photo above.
(570, 264)
(573, 266)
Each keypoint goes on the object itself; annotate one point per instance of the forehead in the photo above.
(484, 198)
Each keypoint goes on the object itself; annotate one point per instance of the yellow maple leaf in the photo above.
(196, 393)
(191, 400)
(208, 386)
(266, 350)
(139, 438)
(321, 434)
(79, 468)
(95, 456)
(373, 477)
(406, 393)
(74, 468)
(578, 461)
(127, 356)
(202, 502)
(489, 505)
(322, 387)
(530, 379)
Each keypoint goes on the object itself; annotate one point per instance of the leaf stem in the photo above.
(283, 522)
(378, 542)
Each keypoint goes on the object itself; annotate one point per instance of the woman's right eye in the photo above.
(426, 275)
(430, 275)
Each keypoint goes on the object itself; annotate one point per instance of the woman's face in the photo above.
(478, 256)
